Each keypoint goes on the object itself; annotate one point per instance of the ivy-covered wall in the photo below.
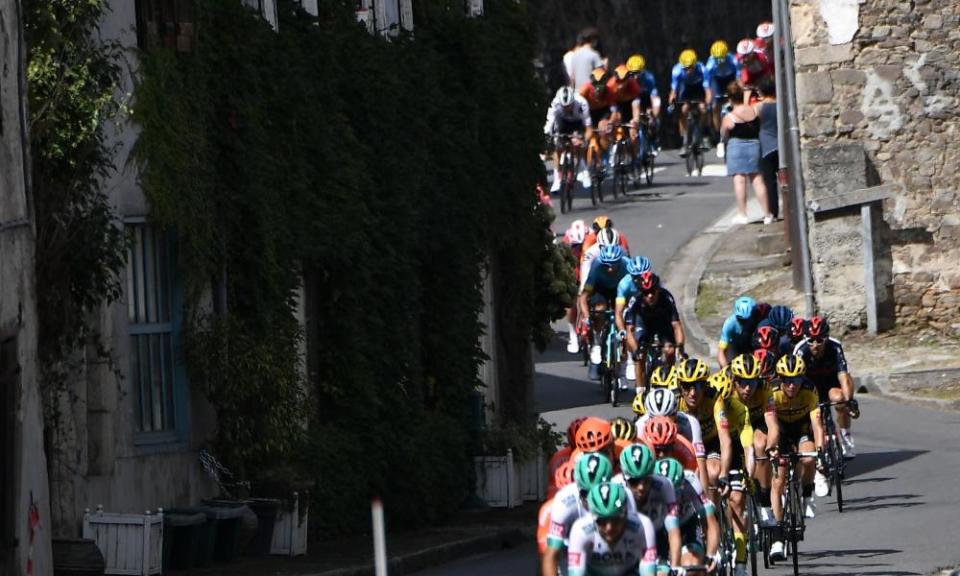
(383, 176)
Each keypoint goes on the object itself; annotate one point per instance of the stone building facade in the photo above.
(878, 92)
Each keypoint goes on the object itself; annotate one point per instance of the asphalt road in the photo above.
(902, 512)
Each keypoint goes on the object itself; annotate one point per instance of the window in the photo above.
(165, 23)
(267, 9)
(153, 337)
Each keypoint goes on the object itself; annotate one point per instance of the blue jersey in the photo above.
(737, 334)
(692, 83)
(721, 72)
(648, 83)
(605, 279)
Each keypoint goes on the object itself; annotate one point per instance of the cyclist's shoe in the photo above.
(623, 384)
(593, 371)
(683, 153)
(720, 150)
(631, 371)
(821, 487)
(766, 517)
(846, 442)
(595, 357)
(777, 552)
(555, 187)
(584, 178)
(809, 507)
(853, 408)
(573, 345)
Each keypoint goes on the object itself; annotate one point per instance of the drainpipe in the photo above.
(796, 171)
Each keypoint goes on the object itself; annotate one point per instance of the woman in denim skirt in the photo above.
(740, 130)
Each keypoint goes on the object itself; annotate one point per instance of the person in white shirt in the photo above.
(569, 113)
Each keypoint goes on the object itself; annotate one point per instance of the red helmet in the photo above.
(649, 281)
(594, 435)
(797, 327)
(660, 431)
(765, 358)
(817, 328)
(572, 431)
(766, 337)
(563, 475)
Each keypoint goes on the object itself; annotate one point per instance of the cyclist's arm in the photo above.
(817, 427)
(621, 304)
(578, 554)
(723, 434)
(648, 555)
(551, 120)
(773, 424)
(583, 301)
(672, 523)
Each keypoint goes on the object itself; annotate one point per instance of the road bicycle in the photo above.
(832, 462)
(793, 523)
(645, 155)
(611, 354)
(598, 169)
(694, 139)
(621, 157)
(569, 161)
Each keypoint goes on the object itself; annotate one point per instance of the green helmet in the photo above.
(592, 469)
(672, 470)
(636, 461)
(607, 500)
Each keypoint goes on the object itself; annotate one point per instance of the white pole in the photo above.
(379, 538)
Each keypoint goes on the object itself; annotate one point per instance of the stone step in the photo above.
(768, 243)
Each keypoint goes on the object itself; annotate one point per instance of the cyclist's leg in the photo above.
(684, 108)
(692, 553)
(642, 337)
(762, 470)
(738, 504)
(808, 466)
(703, 120)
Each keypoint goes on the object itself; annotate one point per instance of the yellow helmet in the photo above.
(637, 406)
(692, 370)
(688, 58)
(636, 63)
(720, 382)
(790, 366)
(623, 429)
(600, 222)
(719, 49)
(746, 367)
(663, 377)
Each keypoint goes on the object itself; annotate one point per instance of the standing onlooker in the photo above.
(740, 129)
(585, 58)
(769, 154)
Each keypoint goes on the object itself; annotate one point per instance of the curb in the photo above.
(497, 539)
(882, 385)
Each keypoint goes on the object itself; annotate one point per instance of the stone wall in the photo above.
(881, 77)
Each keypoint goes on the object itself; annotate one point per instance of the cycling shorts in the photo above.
(759, 423)
(603, 297)
(599, 115)
(692, 94)
(824, 387)
(644, 334)
(646, 101)
(712, 448)
(625, 109)
(793, 433)
(722, 83)
(567, 126)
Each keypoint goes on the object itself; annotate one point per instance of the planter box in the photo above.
(498, 483)
(130, 543)
(533, 478)
(290, 529)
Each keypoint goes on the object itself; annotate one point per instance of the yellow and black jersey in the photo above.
(796, 409)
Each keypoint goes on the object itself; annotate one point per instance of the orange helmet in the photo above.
(660, 431)
(563, 475)
(572, 431)
(621, 72)
(618, 445)
(594, 435)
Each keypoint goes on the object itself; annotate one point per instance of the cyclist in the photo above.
(800, 430)
(574, 237)
(754, 66)
(696, 402)
(663, 403)
(653, 497)
(721, 69)
(737, 331)
(569, 504)
(661, 435)
(827, 371)
(663, 376)
(644, 311)
(600, 99)
(567, 114)
(611, 540)
(689, 86)
(649, 96)
(766, 346)
(764, 39)
(599, 291)
(694, 508)
(780, 317)
(593, 235)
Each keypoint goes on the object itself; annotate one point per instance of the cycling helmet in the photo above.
(744, 307)
(563, 475)
(636, 461)
(608, 237)
(572, 431)
(601, 222)
(671, 469)
(662, 376)
(622, 72)
(594, 434)
(765, 30)
(692, 370)
(798, 327)
(622, 428)
(791, 366)
(762, 310)
(745, 367)
(637, 405)
(779, 317)
(592, 469)
(636, 63)
(648, 281)
(721, 385)
(638, 265)
(576, 232)
(765, 359)
(599, 77)
(719, 49)
(817, 327)
(745, 47)
(611, 254)
(565, 96)
(660, 431)
(607, 500)
(767, 338)
(688, 58)
(660, 402)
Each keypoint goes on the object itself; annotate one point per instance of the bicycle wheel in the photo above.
(699, 157)
(621, 166)
(753, 537)
(596, 174)
(648, 169)
(794, 525)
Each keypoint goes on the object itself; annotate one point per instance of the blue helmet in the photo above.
(638, 265)
(780, 317)
(611, 254)
(744, 307)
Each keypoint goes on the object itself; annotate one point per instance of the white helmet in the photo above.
(745, 47)
(608, 237)
(660, 402)
(765, 30)
(577, 232)
(565, 96)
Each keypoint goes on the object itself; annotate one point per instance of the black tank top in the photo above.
(746, 130)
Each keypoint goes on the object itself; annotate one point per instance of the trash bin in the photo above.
(205, 534)
(77, 557)
(227, 517)
(266, 510)
(184, 534)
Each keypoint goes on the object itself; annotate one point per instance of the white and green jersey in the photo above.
(634, 553)
(691, 500)
(567, 507)
(660, 506)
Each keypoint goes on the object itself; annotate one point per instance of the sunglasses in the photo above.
(749, 382)
(607, 521)
(817, 341)
(634, 482)
(791, 381)
(686, 386)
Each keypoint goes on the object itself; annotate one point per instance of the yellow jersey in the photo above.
(796, 409)
(732, 415)
(759, 404)
(704, 415)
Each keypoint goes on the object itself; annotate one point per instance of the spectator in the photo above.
(585, 58)
(740, 130)
(769, 154)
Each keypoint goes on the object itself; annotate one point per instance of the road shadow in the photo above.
(868, 503)
(808, 562)
(870, 461)
(556, 351)
(554, 392)
(867, 480)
